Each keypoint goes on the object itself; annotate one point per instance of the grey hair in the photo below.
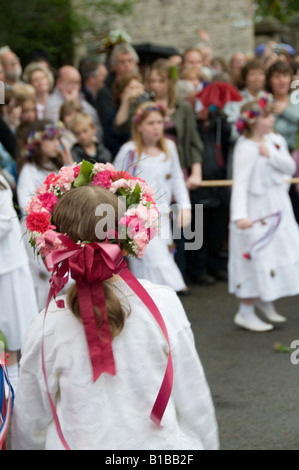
(4, 50)
(123, 48)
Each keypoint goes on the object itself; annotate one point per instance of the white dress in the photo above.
(18, 306)
(258, 191)
(165, 176)
(29, 180)
(114, 412)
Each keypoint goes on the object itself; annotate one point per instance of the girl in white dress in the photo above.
(264, 235)
(109, 410)
(18, 305)
(42, 156)
(154, 159)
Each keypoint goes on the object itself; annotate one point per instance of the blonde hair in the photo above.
(74, 214)
(33, 67)
(141, 113)
(80, 118)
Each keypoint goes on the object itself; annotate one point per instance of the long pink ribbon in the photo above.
(89, 264)
(263, 241)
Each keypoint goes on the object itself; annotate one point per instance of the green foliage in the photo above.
(53, 25)
(85, 174)
(280, 9)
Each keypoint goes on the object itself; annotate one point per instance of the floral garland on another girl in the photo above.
(140, 222)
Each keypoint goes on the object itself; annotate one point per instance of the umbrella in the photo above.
(148, 52)
(278, 48)
(218, 94)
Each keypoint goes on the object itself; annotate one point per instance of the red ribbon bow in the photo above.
(89, 264)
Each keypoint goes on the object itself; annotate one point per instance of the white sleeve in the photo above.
(178, 185)
(26, 186)
(5, 210)
(122, 159)
(193, 401)
(244, 159)
(281, 159)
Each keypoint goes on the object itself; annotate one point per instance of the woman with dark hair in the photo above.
(286, 111)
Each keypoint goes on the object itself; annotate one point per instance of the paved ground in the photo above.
(255, 389)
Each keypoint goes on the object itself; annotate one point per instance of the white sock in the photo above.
(247, 311)
(267, 305)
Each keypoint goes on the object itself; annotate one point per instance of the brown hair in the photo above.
(254, 64)
(74, 214)
(37, 158)
(278, 67)
(143, 111)
(69, 107)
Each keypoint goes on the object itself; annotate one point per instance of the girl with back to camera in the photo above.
(155, 159)
(264, 235)
(42, 156)
(104, 353)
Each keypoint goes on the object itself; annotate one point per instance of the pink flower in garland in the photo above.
(48, 200)
(39, 221)
(103, 179)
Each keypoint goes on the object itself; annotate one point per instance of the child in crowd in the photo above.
(67, 112)
(105, 403)
(41, 157)
(18, 304)
(155, 159)
(87, 146)
(264, 235)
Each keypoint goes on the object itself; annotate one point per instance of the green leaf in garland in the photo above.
(134, 197)
(85, 174)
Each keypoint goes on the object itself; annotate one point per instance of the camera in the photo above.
(147, 96)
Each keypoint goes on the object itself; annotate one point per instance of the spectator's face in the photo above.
(50, 148)
(193, 59)
(158, 84)
(29, 112)
(255, 80)
(40, 81)
(101, 76)
(280, 83)
(124, 64)
(11, 65)
(69, 83)
(84, 133)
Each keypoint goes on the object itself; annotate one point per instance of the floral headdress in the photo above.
(50, 131)
(145, 108)
(249, 116)
(107, 42)
(140, 220)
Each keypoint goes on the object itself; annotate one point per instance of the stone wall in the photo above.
(176, 23)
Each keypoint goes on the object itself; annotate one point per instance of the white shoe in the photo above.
(271, 315)
(252, 324)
